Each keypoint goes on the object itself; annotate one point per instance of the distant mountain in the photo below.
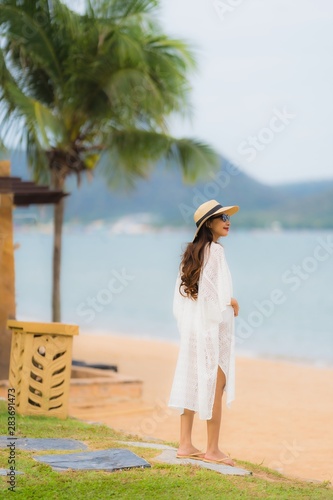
(309, 205)
(170, 201)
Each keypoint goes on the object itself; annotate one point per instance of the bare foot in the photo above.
(219, 457)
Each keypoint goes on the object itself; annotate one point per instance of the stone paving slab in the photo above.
(169, 457)
(156, 446)
(42, 444)
(107, 460)
(4, 472)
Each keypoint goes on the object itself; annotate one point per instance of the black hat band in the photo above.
(210, 212)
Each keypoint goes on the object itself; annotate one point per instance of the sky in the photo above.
(263, 94)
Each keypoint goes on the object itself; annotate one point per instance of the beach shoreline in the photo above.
(281, 417)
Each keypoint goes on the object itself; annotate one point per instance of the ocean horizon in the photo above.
(122, 281)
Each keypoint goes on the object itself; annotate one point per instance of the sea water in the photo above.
(124, 283)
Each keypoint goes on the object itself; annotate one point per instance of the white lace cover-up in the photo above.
(206, 327)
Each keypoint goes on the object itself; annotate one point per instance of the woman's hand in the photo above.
(235, 306)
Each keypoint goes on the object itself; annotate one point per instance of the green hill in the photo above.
(169, 201)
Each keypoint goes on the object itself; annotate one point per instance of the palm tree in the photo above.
(78, 88)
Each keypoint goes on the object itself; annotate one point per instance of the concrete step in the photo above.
(96, 387)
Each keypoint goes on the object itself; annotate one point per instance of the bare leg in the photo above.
(186, 423)
(213, 425)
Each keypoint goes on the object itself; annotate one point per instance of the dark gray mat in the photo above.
(41, 444)
(108, 460)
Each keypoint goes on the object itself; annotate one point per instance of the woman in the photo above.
(205, 310)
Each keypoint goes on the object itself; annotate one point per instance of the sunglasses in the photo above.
(224, 217)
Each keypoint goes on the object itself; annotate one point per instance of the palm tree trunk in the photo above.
(58, 183)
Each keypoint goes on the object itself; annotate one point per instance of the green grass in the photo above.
(160, 482)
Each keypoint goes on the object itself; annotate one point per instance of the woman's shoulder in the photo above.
(214, 251)
(216, 248)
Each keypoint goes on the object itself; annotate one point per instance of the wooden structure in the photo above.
(13, 193)
(40, 367)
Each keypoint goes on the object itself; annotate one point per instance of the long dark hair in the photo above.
(192, 261)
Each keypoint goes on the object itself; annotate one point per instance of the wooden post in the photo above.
(7, 273)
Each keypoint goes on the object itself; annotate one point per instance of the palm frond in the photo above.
(195, 158)
(132, 154)
(117, 10)
(9, 116)
(37, 161)
(26, 36)
(48, 127)
(136, 91)
(105, 80)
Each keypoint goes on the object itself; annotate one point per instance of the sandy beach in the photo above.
(281, 418)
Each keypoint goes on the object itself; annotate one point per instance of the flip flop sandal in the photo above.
(193, 456)
(220, 461)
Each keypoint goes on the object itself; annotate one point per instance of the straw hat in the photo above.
(208, 209)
